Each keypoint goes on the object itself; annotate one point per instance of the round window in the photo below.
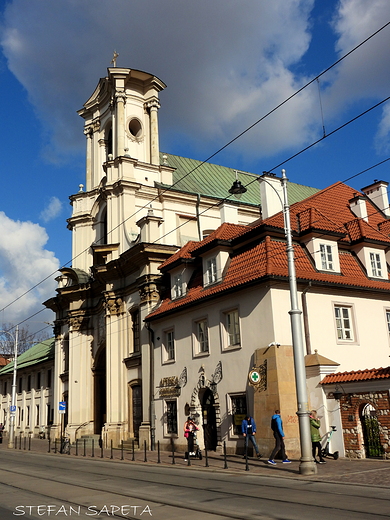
(135, 128)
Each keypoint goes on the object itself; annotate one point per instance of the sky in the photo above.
(226, 64)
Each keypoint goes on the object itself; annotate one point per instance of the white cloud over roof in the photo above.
(226, 63)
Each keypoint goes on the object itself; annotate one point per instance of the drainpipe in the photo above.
(198, 216)
(306, 319)
(151, 378)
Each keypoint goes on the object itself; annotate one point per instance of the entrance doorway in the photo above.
(135, 409)
(100, 409)
(371, 434)
(209, 420)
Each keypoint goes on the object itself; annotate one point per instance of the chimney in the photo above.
(228, 213)
(358, 206)
(271, 194)
(377, 193)
(149, 227)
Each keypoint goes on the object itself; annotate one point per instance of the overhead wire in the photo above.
(169, 188)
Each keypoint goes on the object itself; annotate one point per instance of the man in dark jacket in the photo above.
(277, 428)
(248, 428)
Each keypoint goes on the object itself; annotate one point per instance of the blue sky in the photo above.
(226, 64)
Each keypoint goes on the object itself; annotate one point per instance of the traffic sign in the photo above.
(12, 409)
(62, 407)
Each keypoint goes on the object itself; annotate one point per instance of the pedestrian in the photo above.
(315, 425)
(277, 428)
(189, 433)
(1, 432)
(248, 428)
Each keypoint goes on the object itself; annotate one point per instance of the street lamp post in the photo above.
(307, 465)
(11, 438)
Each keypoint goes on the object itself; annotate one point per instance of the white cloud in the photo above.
(52, 210)
(24, 263)
(226, 64)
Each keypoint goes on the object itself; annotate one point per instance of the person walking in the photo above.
(277, 428)
(315, 425)
(248, 428)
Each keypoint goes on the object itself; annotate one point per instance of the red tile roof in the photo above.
(184, 252)
(358, 375)
(327, 210)
(269, 258)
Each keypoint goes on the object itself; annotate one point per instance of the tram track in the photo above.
(112, 481)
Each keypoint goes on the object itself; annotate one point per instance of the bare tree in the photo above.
(26, 339)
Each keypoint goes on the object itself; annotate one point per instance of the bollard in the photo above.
(173, 454)
(29, 442)
(132, 448)
(24, 442)
(49, 446)
(20, 440)
(101, 448)
(111, 456)
(85, 448)
(122, 449)
(145, 457)
(206, 458)
(77, 447)
(55, 445)
(93, 448)
(246, 461)
(158, 453)
(225, 466)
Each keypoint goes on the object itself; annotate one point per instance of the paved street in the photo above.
(84, 487)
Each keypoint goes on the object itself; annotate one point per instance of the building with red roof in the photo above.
(225, 312)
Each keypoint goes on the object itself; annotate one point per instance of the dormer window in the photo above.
(211, 270)
(376, 265)
(326, 257)
(324, 253)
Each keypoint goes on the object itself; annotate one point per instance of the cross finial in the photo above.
(114, 58)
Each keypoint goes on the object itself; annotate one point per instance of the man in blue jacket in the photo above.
(277, 428)
(248, 428)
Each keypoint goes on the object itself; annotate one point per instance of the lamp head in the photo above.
(237, 189)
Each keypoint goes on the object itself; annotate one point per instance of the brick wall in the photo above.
(351, 407)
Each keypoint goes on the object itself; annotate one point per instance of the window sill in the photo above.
(232, 347)
(169, 361)
(201, 354)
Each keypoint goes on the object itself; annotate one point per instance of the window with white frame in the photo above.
(326, 257)
(201, 337)
(232, 324)
(171, 416)
(238, 408)
(211, 270)
(388, 319)
(376, 266)
(344, 326)
(169, 345)
(177, 286)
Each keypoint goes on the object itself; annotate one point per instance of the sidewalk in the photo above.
(367, 472)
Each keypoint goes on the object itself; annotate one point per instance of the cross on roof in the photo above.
(114, 58)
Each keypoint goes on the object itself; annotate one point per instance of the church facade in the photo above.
(135, 209)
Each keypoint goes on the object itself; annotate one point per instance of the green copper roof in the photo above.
(215, 181)
(39, 353)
